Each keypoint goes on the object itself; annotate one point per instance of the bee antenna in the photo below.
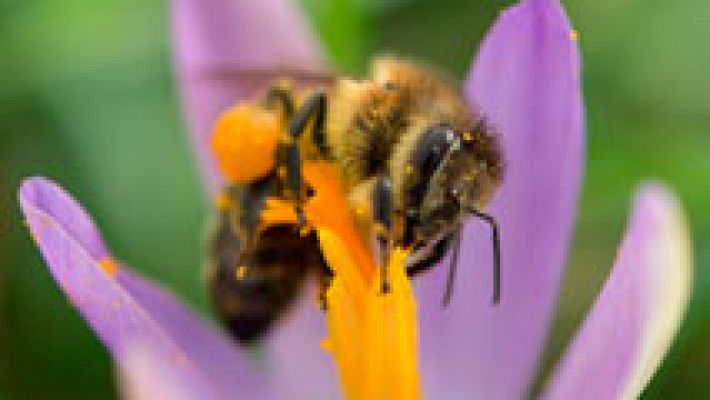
(453, 264)
(491, 221)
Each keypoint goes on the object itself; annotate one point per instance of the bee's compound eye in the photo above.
(244, 142)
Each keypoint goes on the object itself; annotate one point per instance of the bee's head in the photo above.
(449, 173)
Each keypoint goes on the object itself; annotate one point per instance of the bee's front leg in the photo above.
(281, 96)
(382, 209)
(313, 111)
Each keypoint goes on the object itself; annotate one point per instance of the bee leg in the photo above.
(314, 109)
(283, 97)
(382, 217)
(453, 264)
(437, 253)
(289, 154)
(252, 201)
(294, 180)
(495, 237)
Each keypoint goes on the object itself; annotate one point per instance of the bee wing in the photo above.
(258, 79)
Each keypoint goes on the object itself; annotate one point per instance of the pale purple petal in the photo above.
(146, 375)
(526, 82)
(227, 50)
(124, 309)
(58, 204)
(295, 355)
(216, 355)
(639, 310)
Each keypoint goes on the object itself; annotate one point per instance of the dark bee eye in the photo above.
(429, 152)
(432, 147)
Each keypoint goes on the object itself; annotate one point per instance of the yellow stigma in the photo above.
(372, 336)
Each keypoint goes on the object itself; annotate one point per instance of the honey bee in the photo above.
(409, 146)
(416, 163)
(256, 270)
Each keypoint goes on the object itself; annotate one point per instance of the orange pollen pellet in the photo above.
(244, 142)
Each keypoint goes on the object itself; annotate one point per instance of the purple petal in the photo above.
(148, 376)
(295, 354)
(526, 82)
(216, 355)
(57, 204)
(639, 310)
(227, 50)
(124, 309)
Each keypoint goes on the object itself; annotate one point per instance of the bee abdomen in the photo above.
(250, 292)
(249, 306)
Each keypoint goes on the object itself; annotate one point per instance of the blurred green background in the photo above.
(87, 97)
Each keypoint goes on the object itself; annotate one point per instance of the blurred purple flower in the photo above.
(526, 80)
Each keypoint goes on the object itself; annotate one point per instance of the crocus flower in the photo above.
(526, 80)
